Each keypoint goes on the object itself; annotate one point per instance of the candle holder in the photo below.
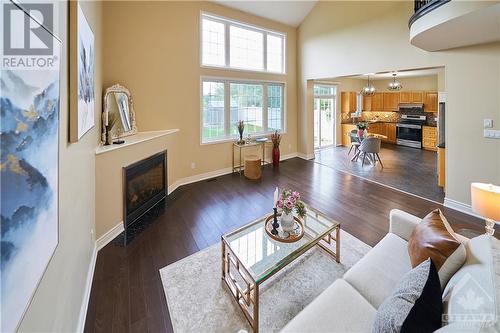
(275, 223)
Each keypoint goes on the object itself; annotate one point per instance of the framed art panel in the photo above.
(29, 159)
(81, 67)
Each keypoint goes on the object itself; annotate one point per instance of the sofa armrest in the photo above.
(402, 223)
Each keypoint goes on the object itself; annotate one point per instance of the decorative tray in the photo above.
(282, 236)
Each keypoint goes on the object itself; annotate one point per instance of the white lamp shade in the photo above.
(486, 200)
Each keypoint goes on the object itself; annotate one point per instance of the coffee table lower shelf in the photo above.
(244, 288)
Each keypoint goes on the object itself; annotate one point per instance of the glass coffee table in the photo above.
(250, 256)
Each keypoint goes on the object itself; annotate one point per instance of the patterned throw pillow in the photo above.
(415, 305)
(434, 238)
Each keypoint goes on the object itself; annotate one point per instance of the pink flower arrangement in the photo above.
(290, 200)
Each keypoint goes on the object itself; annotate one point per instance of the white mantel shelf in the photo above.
(135, 139)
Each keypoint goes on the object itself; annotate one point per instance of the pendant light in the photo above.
(394, 85)
(368, 89)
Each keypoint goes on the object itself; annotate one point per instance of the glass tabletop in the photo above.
(262, 256)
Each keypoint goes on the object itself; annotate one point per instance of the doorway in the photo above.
(325, 107)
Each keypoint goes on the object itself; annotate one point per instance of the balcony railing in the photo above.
(423, 7)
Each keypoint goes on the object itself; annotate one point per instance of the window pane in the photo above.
(324, 90)
(246, 105)
(274, 54)
(213, 110)
(213, 43)
(275, 107)
(246, 48)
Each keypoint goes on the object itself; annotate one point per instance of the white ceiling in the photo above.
(287, 12)
(401, 74)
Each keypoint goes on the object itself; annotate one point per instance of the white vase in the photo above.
(287, 222)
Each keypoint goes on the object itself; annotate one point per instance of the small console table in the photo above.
(240, 147)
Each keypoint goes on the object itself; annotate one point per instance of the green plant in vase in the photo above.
(361, 129)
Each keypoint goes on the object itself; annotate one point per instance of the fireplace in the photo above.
(144, 186)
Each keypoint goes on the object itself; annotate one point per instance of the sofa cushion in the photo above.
(340, 308)
(415, 305)
(434, 238)
(471, 296)
(380, 270)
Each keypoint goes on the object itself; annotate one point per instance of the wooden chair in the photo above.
(253, 167)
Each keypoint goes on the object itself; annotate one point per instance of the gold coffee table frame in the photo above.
(245, 288)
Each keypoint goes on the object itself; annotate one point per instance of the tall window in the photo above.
(230, 44)
(225, 102)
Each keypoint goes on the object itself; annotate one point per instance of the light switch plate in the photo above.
(492, 134)
(488, 123)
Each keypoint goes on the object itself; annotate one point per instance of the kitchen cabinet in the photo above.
(441, 167)
(411, 97)
(346, 134)
(367, 103)
(391, 102)
(431, 101)
(377, 102)
(429, 138)
(348, 101)
(391, 132)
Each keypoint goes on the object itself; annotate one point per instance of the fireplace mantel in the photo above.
(135, 139)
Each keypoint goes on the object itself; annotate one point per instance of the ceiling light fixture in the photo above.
(368, 89)
(394, 85)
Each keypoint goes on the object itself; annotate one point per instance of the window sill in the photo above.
(226, 140)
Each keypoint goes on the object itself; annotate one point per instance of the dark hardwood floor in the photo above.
(408, 169)
(127, 294)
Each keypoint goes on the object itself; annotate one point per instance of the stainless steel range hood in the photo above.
(414, 107)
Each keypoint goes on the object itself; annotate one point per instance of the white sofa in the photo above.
(350, 304)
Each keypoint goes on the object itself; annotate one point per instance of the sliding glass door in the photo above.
(324, 115)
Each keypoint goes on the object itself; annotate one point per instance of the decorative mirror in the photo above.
(118, 117)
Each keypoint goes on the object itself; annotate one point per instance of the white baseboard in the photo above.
(212, 174)
(461, 207)
(109, 236)
(306, 156)
(86, 295)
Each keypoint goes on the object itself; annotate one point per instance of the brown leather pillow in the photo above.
(434, 238)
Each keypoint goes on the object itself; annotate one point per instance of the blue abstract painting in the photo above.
(29, 107)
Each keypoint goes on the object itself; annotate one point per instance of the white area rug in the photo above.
(199, 301)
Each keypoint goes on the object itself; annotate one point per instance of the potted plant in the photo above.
(241, 128)
(288, 202)
(361, 129)
(276, 139)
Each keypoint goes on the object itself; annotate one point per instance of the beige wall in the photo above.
(57, 301)
(347, 38)
(153, 49)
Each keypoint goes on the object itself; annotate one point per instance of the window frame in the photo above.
(227, 107)
(227, 47)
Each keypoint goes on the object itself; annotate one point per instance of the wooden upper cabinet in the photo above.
(348, 101)
(431, 101)
(367, 103)
(417, 97)
(405, 96)
(411, 97)
(377, 102)
(391, 101)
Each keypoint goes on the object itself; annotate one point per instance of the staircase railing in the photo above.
(423, 7)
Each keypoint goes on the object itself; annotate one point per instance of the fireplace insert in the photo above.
(144, 186)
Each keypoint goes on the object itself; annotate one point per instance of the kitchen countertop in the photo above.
(378, 121)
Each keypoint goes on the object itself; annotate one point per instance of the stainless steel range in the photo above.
(409, 130)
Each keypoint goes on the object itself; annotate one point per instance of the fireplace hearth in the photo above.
(144, 186)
